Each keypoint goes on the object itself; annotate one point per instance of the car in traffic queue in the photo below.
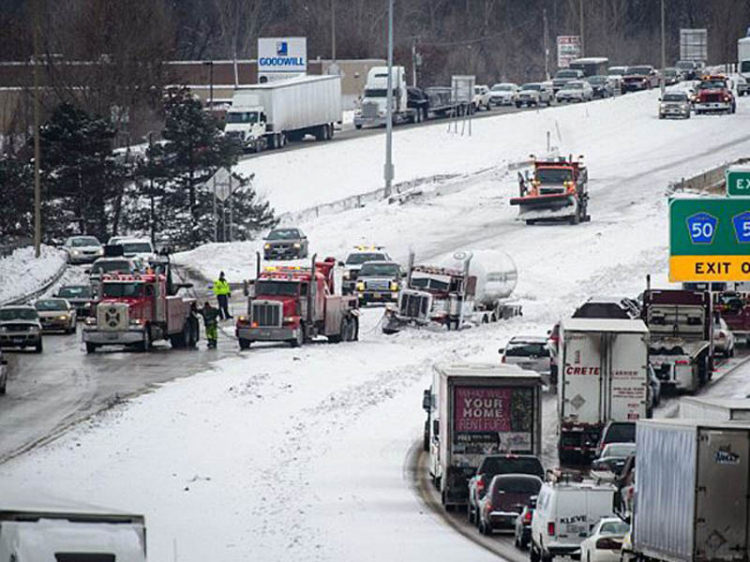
(612, 458)
(137, 248)
(111, 266)
(504, 93)
(528, 352)
(616, 432)
(79, 296)
(603, 86)
(491, 466)
(724, 340)
(20, 327)
(671, 76)
(605, 541)
(535, 94)
(354, 261)
(688, 69)
(505, 499)
(575, 90)
(378, 282)
(56, 315)
(564, 76)
(674, 104)
(641, 77)
(3, 373)
(481, 98)
(82, 249)
(284, 244)
(522, 529)
(617, 71)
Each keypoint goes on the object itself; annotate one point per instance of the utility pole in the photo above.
(583, 42)
(663, 50)
(414, 62)
(388, 172)
(546, 44)
(37, 143)
(333, 30)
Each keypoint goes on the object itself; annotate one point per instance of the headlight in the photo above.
(267, 246)
(346, 275)
(662, 106)
(136, 322)
(91, 321)
(3, 328)
(288, 319)
(76, 252)
(360, 286)
(64, 317)
(394, 286)
(34, 329)
(297, 245)
(100, 251)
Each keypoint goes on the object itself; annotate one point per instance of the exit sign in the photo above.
(738, 181)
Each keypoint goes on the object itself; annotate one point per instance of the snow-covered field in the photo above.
(21, 273)
(281, 454)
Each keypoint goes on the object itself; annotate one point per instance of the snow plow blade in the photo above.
(547, 208)
(552, 201)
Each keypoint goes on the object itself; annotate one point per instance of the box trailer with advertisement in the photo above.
(603, 373)
(715, 409)
(474, 410)
(691, 491)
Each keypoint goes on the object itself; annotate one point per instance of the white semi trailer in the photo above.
(270, 115)
(743, 66)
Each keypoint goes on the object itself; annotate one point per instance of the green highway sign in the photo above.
(709, 239)
(738, 181)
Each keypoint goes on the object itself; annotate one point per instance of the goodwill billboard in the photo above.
(282, 54)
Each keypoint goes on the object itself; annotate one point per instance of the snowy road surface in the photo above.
(302, 454)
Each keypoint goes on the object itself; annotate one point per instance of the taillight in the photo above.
(682, 362)
(503, 359)
(551, 528)
(480, 484)
(607, 544)
(488, 507)
(527, 517)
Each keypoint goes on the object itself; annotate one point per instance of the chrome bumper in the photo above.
(113, 338)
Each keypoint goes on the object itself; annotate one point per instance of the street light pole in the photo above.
(389, 110)
(333, 30)
(663, 50)
(210, 65)
(37, 141)
(583, 42)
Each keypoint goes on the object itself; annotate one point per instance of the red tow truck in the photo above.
(296, 304)
(714, 94)
(136, 310)
(558, 191)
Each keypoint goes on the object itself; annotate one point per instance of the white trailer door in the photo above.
(627, 383)
(581, 378)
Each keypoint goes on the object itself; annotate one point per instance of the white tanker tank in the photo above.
(495, 271)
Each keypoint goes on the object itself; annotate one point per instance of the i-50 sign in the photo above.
(709, 239)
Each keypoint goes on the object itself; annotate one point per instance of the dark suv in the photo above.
(285, 243)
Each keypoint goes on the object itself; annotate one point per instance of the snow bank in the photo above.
(21, 273)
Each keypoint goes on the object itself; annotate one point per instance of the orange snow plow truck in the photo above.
(558, 191)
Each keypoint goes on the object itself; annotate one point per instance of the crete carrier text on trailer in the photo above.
(475, 410)
(268, 115)
(603, 377)
(691, 491)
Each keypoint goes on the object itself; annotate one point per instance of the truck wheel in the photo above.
(530, 222)
(38, 347)
(245, 344)
(533, 553)
(300, 339)
(90, 347)
(358, 127)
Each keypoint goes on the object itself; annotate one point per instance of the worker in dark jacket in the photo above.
(210, 319)
(223, 293)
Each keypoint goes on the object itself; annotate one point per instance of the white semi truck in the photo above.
(270, 115)
(477, 409)
(603, 370)
(374, 105)
(743, 66)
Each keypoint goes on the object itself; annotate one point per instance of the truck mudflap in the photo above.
(578, 442)
(456, 485)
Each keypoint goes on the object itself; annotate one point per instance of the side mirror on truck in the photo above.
(427, 400)
(436, 427)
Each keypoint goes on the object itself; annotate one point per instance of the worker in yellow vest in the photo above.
(223, 293)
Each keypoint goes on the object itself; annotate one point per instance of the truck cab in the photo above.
(374, 105)
(714, 93)
(247, 125)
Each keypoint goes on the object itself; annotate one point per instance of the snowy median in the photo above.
(22, 275)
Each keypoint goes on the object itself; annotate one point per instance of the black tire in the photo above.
(533, 553)
(530, 222)
(299, 340)
(426, 436)
(2, 388)
(38, 348)
(358, 127)
(90, 347)
(483, 529)
(245, 344)
(469, 514)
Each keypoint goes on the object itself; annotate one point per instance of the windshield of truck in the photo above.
(380, 270)
(614, 528)
(18, 314)
(83, 241)
(526, 349)
(621, 433)
(136, 248)
(276, 288)
(712, 85)
(429, 283)
(568, 74)
(518, 485)
(82, 292)
(535, 87)
(554, 175)
(512, 465)
(639, 70)
(686, 65)
(745, 66)
(249, 117)
(379, 92)
(359, 259)
(50, 304)
(122, 290)
(680, 98)
(672, 72)
(122, 266)
(621, 450)
(284, 234)
(502, 87)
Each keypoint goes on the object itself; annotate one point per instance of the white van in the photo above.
(566, 512)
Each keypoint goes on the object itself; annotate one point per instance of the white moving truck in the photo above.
(715, 409)
(603, 377)
(478, 409)
(271, 114)
(743, 66)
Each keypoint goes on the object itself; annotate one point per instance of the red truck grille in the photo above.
(711, 98)
(265, 313)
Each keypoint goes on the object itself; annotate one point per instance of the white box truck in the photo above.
(42, 532)
(691, 491)
(374, 105)
(271, 114)
(603, 377)
(478, 409)
(715, 409)
(743, 66)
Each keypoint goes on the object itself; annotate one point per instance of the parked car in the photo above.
(674, 104)
(83, 249)
(285, 243)
(723, 338)
(671, 76)
(528, 352)
(79, 296)
(505, 499)
(20, 327)
(3, 373)
(616, 432)
(504, 94)
(482, 98)
(603, 86)
(535, 93)
(491, 466)
(612, 458)
(522, 531)
(564, 76)
(608, 307)
(605, 541)
(575, 90)
(56, 315)
(642, 77)
(378, 282)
